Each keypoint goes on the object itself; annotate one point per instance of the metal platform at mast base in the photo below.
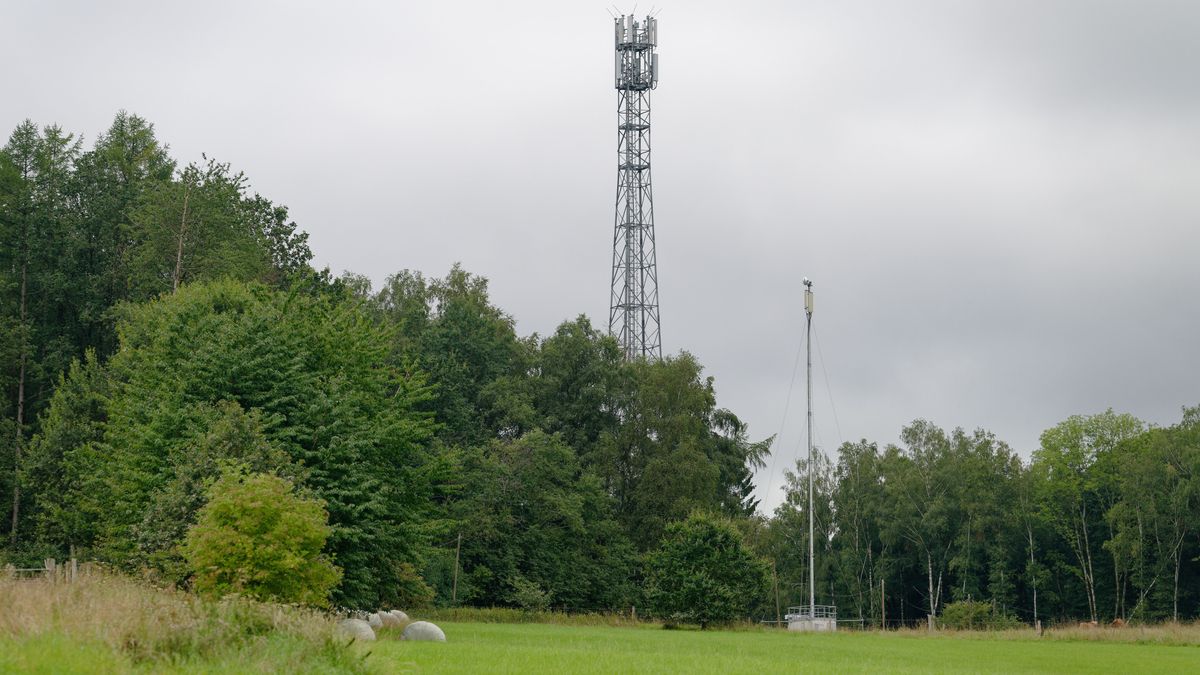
(821, 619)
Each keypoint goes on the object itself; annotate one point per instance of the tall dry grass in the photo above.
(144, 623)
(1187, 634)
(1178, 634)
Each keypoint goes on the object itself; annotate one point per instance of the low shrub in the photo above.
(258, 538)
(528, 595)
(976, 615)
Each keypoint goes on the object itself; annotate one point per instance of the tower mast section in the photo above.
(814, 617)
(633, 316)
(812, 574)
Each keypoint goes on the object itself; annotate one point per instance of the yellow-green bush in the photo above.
(256, 537)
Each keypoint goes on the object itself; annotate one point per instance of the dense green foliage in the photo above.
(561, 448)
(1099, 525)
(159, 321)
(537, 530)
(256, 537)
(703, 573)
(82, 231)
(289, 383)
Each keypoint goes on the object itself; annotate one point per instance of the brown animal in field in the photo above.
(1089, 624)
(1118, 623)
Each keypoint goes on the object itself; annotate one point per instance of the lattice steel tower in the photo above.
(633, 306)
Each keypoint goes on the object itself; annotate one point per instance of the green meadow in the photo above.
(105, 623)
(533, 648)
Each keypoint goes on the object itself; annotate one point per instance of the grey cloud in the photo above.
(996, 200)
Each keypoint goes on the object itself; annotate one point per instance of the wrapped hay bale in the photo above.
(356, 629)
(423, 631)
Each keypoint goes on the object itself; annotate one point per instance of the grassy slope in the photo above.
(111, 624)
(57, 653)
(506, 648)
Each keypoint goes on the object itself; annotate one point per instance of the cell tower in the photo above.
(814, 617)
(633, 306)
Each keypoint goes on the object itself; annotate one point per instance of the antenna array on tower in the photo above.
(633, 308)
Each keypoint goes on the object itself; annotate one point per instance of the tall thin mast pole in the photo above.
(812, 573)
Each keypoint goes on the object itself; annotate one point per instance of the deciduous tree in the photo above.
(703, 573)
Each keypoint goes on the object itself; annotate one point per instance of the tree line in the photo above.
(160, 324)
(1100, 524)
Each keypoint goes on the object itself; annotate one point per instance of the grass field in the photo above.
(112, 624)
(532, 648)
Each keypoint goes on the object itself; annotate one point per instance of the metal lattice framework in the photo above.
(633, 307)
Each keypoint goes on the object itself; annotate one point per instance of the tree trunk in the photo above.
(454, 589)
(179, 249)
(20, 433)
(1118, 589)
(1175, 593)
(967, 567)
(937, 598)
(1086, 561)
(932, 600)
(1032, 569)
(870, 600)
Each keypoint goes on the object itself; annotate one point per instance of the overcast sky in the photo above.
(998, 201)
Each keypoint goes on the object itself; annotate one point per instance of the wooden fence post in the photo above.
(882, 607)
(775, 582)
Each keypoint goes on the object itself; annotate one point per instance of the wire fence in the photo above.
(66, 571)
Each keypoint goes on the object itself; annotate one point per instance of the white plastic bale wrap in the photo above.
(423, 631)
(356, 629)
